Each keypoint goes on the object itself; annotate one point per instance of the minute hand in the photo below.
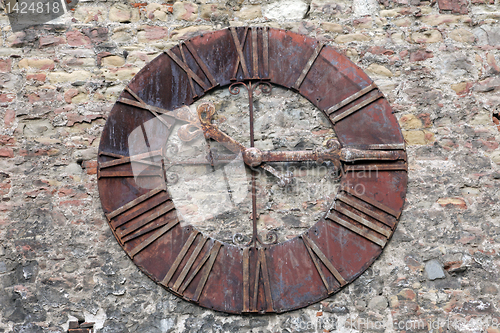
(211, 131)
(205, 112)
(299, 155)
(344, 155)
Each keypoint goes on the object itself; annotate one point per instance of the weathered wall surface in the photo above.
(437, 63)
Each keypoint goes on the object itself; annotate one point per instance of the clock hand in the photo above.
(205, 113)
(255, 157)
(183, 113)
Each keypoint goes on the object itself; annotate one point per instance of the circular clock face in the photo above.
(252, 170)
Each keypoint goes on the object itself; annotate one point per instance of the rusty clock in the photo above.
(260, 202)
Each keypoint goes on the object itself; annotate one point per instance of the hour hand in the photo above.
(205, 112)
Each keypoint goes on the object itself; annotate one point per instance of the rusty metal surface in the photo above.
(261, 276)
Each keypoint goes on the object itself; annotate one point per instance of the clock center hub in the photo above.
(252, 156)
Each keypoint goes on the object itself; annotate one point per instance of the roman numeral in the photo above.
(156, 111)
(157, 234)
(250, 303)
(371, 202)
(150, 169)
(192, 75)
(189, 263)
(308, 66)
(265, 53)
(181, 283)
(187, 132)
(136, 229)
(200, 63)
(364, 210)
(211, 259)
(240, 61)
(316, 253)
(255, 53)
(355, 107)
(241, 57)
(139, 217)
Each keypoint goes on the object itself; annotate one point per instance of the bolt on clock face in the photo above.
(252, 180)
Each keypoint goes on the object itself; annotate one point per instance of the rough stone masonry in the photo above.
(438, 63)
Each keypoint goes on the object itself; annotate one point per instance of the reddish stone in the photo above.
(34, 193)
(38, 152)
(6, 98)
(406, 11)
(97, 35)
(380, 50)
(41, 152)
(68, 95)
(362, 21)
(6, 152)
(420, 55)
(5, 188)
(407, 294)
(33, 98)
(64, 109)
(46, 41)
(65, 191)
(322, 132)
(71, 203)
(452, 202)
(5, 65)
(489, 145)
(43, 96)
(73, 62)
(90, 167)
(76, 118)
(453, 265)
(413, 264)
(36, 76)
(426, 119)
(156, 33)
(10, 116)
(76, 38)
(7, 140)
(456, 6)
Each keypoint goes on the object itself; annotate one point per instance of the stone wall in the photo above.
(436, 62)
